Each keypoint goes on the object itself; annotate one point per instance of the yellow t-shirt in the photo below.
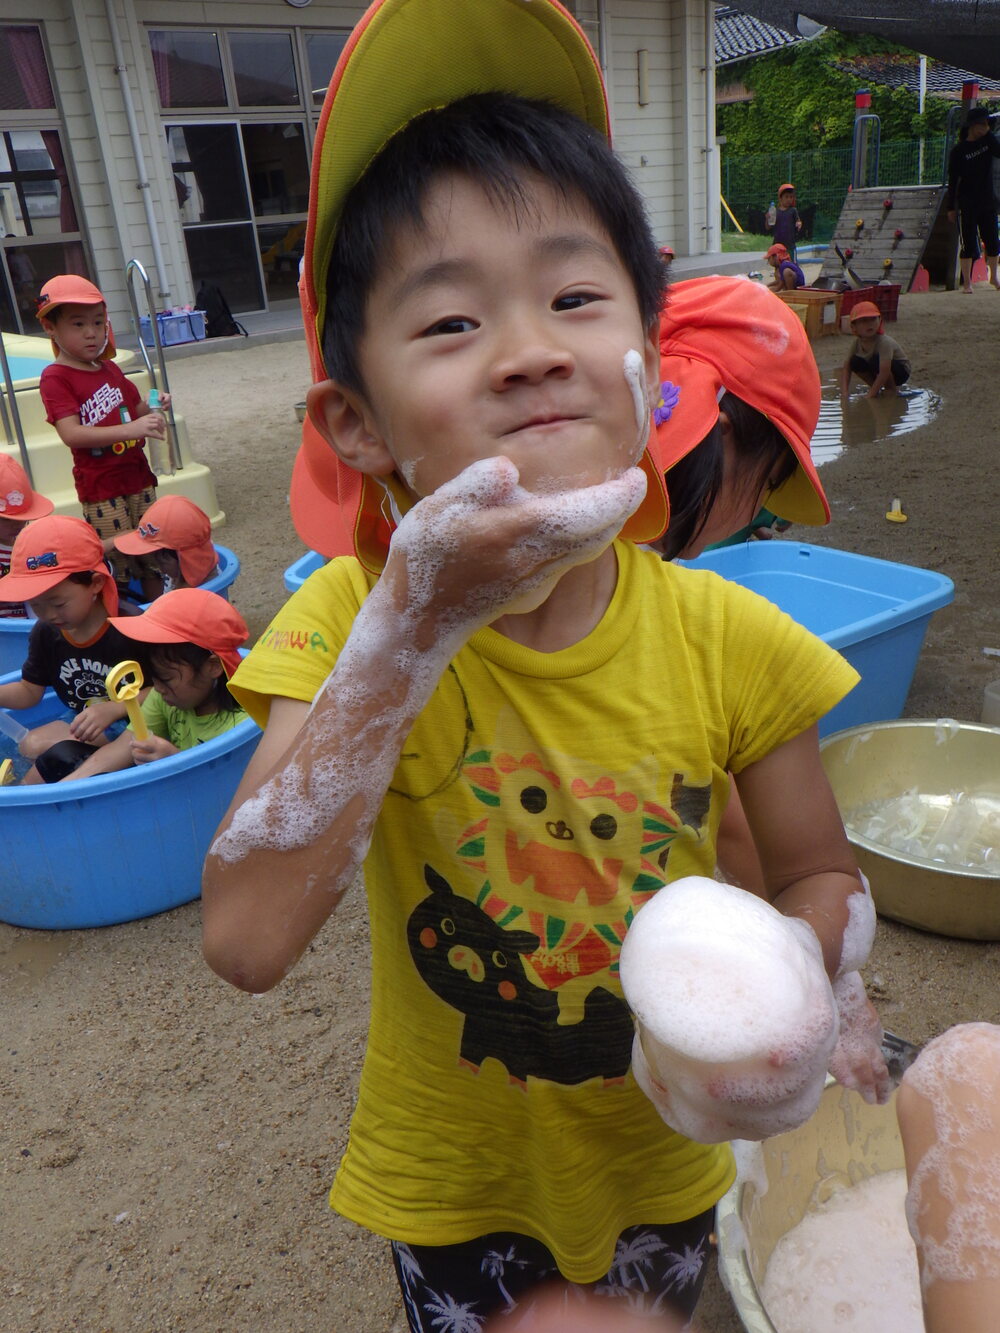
(539, 800)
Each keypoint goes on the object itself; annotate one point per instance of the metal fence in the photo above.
(821, 177)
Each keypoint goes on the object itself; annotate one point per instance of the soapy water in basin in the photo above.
(864, 420)
(957, 830)
(850, 1266)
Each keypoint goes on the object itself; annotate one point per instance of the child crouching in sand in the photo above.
(192, 637)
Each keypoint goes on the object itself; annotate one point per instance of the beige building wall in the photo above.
(661, 136)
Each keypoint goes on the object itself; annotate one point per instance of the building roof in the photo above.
(739, 36)
(902, 70)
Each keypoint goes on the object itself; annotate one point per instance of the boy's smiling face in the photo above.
(491, 334)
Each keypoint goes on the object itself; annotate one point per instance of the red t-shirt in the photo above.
(103, 397)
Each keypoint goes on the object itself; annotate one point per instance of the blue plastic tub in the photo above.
(119, 846)
(14, 633)
(297, 572)
(874, 612)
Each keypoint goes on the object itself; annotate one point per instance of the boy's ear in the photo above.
(651, 362)
(346, 422)
(214, 667)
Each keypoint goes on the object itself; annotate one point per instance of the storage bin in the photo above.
(118, 846)
(818, 309)
(297, 572)
(874, 612)
(186, 327)
(884, 295)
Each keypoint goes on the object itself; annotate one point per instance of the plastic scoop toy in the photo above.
(123, 683)
(895, 512)
(7, 775)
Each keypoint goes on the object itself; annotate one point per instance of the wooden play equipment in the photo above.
(904, 227)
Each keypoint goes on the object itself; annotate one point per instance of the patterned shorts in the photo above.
(655, 1270)
(110, 518)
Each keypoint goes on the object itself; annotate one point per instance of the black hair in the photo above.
(694, 483)
(84, 576)
(190, 654)
(497, 140)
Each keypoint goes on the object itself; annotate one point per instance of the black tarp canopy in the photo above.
(965, 33)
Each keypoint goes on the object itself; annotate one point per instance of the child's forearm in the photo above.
(76, 436)
(290, 846)
(839, 910)
(20, 694)
(110, 758)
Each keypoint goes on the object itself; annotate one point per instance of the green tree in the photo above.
(803, 100)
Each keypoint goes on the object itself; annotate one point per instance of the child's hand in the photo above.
(90, 724)
(857, 1061)
(165, 400)
(481, 543)
(151, 424)
(153, 747)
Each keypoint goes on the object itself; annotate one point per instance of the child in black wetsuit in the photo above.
(57, 566)
(970, 194)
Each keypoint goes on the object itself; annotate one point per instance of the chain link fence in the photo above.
(821, 177)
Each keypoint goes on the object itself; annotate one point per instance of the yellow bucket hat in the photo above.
(405, 57)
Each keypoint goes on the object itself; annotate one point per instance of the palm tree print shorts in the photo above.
(457, 1288)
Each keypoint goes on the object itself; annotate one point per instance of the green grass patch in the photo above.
(737, 241)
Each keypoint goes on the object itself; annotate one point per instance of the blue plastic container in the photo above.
(874, 612)
(297, 572)
(119, 846)
(14, 633)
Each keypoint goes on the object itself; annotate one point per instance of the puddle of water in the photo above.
(30, 958)
(864, 420)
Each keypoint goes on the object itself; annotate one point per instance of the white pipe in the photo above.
(711, 150)
(922, 101)
(121, 69)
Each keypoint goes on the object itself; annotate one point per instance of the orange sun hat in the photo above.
(175, 523)
(71, 289)
(190, 615)
(17, 498)
(730, 335)
(47, 551)
(405, 57)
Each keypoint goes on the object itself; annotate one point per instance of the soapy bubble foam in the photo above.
(736, 1019)
(959, 1074)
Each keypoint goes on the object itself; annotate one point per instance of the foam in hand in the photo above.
(736, 1020)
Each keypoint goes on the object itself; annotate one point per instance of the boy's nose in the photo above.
(528, 353)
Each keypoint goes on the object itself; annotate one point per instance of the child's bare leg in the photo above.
(949, 1117)
(42, 738)
(991, 264)
(966, 266)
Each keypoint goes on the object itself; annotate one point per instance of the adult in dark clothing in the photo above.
(970, 194)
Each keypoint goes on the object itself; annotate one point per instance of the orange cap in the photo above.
(190, 615)
(777, 252)
(720, 335)
(783, 188)
(71, 289)
(864, 310)
(17, 499)
(405, 57)
(175, 523)
(48, 551)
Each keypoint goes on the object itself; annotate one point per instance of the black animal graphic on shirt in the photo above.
(475, 966)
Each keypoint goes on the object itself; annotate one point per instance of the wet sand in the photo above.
(166, 1143)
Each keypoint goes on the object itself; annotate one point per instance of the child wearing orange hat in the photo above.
(177, 535)
(58, 568)
(873, 356)
(786, 223)
(99, 413)
(19, 504)
(520, 721)
(193, 638)
(787, 274)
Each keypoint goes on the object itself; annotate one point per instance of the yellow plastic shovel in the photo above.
(123, 683)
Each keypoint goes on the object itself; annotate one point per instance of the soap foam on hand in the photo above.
(736, 1020)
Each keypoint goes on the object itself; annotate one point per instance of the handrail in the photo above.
(15, 413)
(131, 268)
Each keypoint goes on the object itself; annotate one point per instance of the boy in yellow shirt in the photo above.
(519, 720)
